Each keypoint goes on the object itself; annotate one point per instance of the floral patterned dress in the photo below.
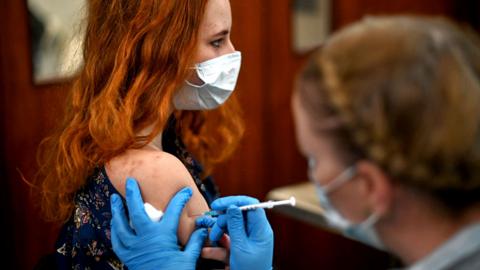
(84, 241)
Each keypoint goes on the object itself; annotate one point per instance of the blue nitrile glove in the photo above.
(251, 236)
(152, 245)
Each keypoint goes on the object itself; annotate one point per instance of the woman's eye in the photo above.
(217, 43)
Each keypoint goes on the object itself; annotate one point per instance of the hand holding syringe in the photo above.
(267, 205)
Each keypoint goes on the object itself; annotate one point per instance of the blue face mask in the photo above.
(363, 232)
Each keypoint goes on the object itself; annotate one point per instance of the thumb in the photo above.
(195, 244)
(236, 224)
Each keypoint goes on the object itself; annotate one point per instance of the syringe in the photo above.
(268, 205)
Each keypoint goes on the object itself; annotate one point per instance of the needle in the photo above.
(265, 205)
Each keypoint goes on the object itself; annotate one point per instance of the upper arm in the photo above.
(159, 175)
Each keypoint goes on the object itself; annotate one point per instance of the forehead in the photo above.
(217, 17)
(309, 142)
(305, 136)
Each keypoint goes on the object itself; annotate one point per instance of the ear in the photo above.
(378, 186)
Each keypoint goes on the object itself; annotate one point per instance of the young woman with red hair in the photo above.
(154, 71)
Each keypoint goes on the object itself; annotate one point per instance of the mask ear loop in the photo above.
(196, 68)
(200, 67)
(370, 221)
(373, 217)
(194, 85)
(344, 177)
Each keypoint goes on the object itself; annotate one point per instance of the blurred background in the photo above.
(274, 37)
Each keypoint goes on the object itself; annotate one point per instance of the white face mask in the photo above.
(363, 232)
(219, 76)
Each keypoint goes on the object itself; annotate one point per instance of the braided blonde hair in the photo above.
(407, 93)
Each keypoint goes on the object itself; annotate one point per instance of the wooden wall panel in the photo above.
(348, 11)
(28, 113)
(6, 224)
(263, 161)
(266, 159)
(246, 169)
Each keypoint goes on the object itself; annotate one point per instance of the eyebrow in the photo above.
(221, 33)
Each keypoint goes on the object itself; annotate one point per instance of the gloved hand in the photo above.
(251, 236)
(152, 245)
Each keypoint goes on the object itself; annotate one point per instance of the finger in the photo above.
(215, 253)
(117, 244)
(136, 210)
(236, 224)
(218, 228)
(205, 222)
(194, 245)
(258, 227)
(119, 228)
(224, 203)
(175, 208)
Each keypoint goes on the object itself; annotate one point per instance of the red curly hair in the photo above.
(136, 55)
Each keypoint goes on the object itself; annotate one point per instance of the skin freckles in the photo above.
(214, 34)
(160, 176)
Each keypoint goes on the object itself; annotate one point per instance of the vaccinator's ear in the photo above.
(378, 186)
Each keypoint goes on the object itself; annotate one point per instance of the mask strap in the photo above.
(196, 67)
(371, 220)
(194, 85)
(344, 177)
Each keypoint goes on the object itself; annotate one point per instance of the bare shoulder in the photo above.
(146, 166)
(159, 174)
